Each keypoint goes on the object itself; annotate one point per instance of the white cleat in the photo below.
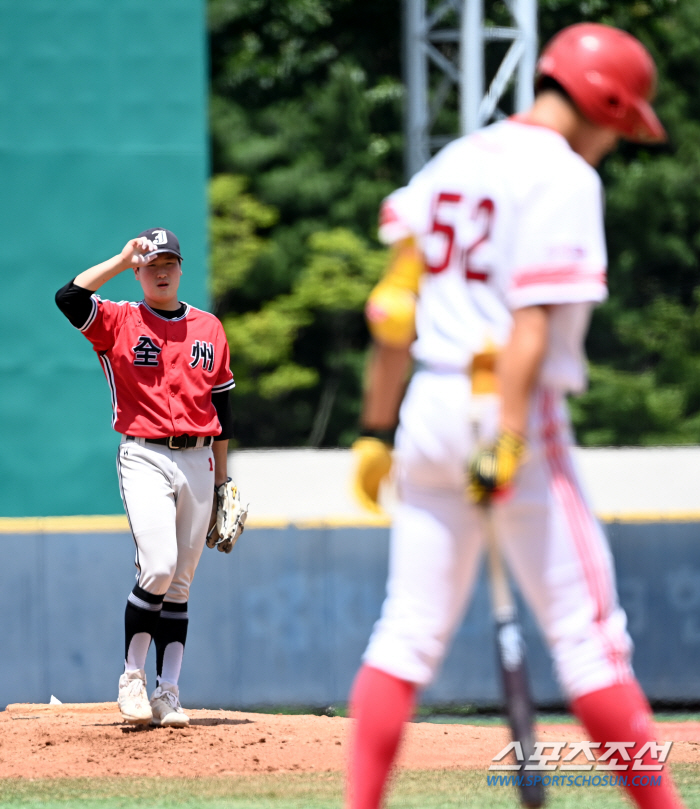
(166, 708)
(133, 698)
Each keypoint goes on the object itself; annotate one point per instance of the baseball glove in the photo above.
(228, 517)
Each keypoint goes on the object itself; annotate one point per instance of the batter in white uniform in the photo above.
(509, 222)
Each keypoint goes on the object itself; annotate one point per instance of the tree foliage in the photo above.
(306, 141)
(309, 338)
(643, 342)
(306, 119)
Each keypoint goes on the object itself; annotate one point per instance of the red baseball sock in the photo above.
(380, 704)
(621, 713)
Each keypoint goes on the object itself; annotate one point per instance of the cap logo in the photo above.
(160, 237)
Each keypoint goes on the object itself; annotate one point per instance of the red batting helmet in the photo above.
(609, 75)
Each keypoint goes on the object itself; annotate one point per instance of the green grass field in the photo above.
(542, 718)
(411, 790)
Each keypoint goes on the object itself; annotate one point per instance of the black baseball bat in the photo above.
(510, 652)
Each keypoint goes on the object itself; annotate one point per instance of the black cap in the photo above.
(164, 240)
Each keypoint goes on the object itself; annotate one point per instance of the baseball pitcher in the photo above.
(167, 367)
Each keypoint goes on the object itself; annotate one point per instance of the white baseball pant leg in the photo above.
(437, 536)
(551, 541)
(167, 495)
(561, 560)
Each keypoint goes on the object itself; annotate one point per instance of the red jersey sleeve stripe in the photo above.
(391, 227)
(387, 215)
(572, 274)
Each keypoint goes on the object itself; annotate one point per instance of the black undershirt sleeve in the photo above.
(222, 403)
(75, 303)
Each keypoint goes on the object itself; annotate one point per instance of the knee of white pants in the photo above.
(433, 561)
(595, 658)
(157, 580)
(413, 662)
(409, 639)
(178, 592)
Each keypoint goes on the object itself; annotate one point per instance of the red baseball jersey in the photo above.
(161, 372)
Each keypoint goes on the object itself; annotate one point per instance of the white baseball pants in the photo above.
(548, 535)
(168, 496)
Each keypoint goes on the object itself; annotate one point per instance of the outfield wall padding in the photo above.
(103, 133)
(284, 619)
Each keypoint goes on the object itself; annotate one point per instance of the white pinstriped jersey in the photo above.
(506, 218)
(161, 371)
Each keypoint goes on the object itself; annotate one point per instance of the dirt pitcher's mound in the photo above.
(45, 741)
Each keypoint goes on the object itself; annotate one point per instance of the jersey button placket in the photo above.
(169, 367)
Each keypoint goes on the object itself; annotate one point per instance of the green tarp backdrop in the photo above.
(102, 134)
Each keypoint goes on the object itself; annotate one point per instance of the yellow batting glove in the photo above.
(373, 464)
(493, 468)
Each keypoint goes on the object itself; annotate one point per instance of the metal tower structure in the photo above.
(445, 50)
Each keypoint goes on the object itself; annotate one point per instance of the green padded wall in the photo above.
(102, 134)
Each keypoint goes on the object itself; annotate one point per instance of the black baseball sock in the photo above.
(170, 637)
(140, 622)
